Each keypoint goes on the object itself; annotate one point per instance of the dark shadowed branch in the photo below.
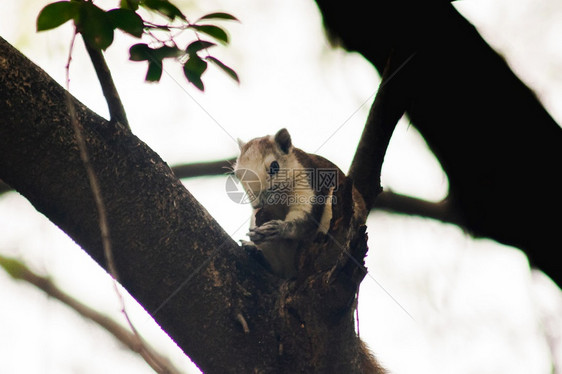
(388, 107)
(499, 147)
(398, 203)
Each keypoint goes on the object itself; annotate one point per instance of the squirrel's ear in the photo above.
(283, 140)
(241, 143)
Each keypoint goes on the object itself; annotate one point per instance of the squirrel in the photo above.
(291, 194)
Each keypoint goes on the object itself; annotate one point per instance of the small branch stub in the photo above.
(240, 318)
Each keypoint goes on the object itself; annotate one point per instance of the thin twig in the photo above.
(92, 177)
(102, 214)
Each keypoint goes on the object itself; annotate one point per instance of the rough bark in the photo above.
(500, 149)
(218, 304)
(165, 243)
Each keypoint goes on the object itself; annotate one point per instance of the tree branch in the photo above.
(387, 200)
(389, 105)
(19, 271)
(193, 170)
(201, 169)
(114, 104)
(499, 147)
(397, 203)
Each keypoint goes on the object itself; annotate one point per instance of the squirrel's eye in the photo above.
(273, 168)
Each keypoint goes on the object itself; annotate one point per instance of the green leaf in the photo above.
(95, 25)
(219, 15)
(231, 73)
(193, 69)
(163, 7)
(129, 4)
(195, 80)
(126, 20)
(195, 65)
(142, 52)
(214, 31)
(139, 52)
(165, 52)
(55, 14)
(198, 45)
(154, 72)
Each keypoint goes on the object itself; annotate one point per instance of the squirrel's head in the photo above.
(266, 165)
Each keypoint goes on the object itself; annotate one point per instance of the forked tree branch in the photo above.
(171, 255)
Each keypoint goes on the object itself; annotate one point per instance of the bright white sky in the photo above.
(434, 301)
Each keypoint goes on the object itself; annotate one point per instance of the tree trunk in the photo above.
(500, 149)
(218, 304)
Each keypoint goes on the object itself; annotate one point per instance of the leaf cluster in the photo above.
(97, 27)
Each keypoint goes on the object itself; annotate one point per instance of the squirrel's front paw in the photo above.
(248, 246)
(270, 230)
(255, 253)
